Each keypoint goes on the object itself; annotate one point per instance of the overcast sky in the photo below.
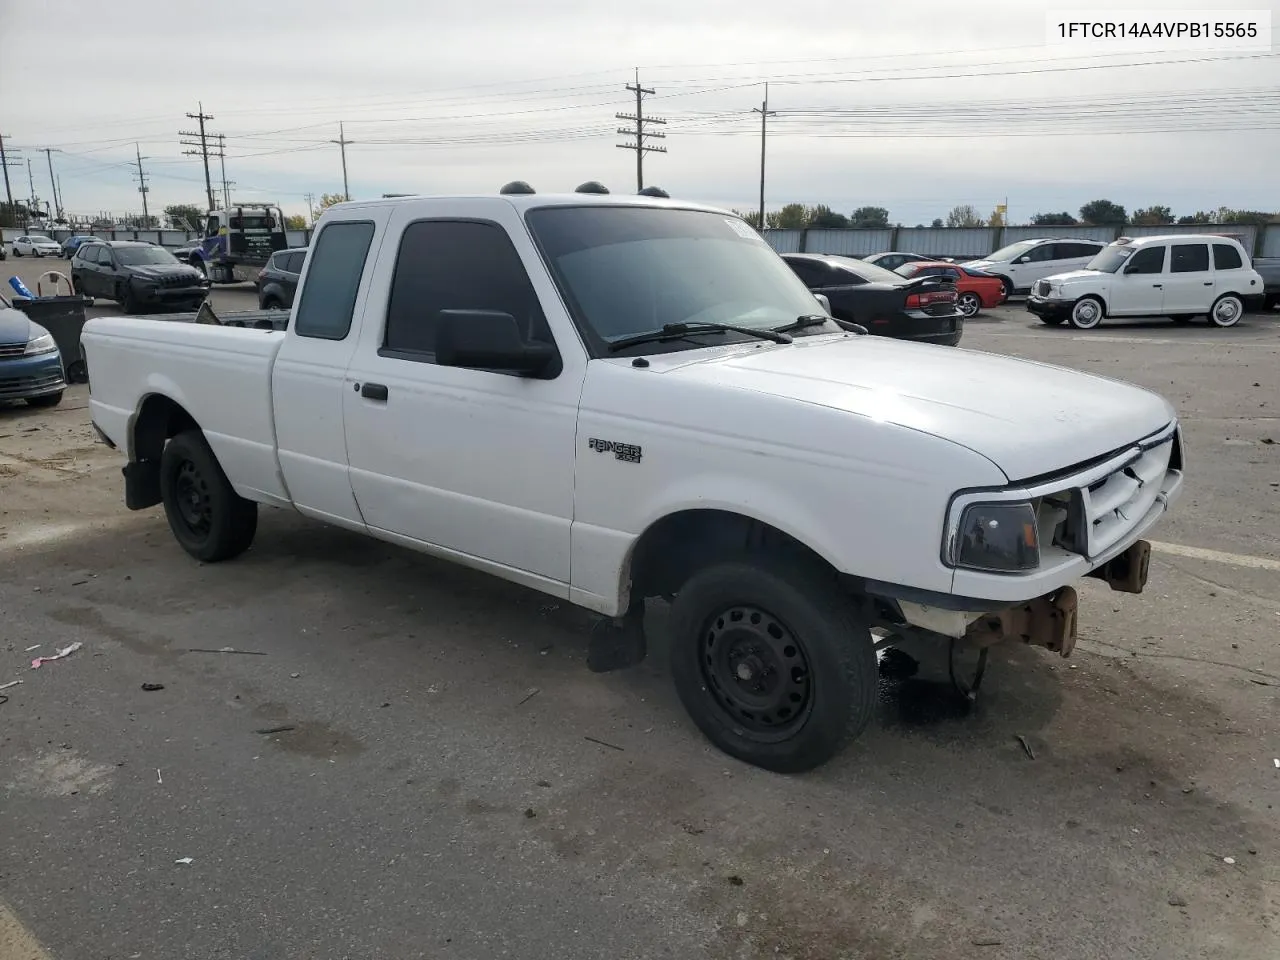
(916, 107)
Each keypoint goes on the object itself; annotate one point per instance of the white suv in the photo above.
(1180, 276)
(1021, 264)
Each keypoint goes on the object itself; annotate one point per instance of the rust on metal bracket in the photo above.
(1048, 621)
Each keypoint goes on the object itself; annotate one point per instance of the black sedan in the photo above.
(920, 308)
(138, 276)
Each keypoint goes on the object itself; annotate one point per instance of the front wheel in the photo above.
(772, 661)
(1087, 313)
(1226, 311)
(208, 518)
(969, 304)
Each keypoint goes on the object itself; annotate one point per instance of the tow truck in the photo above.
(238, 241)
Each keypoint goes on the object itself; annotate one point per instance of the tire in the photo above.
(128, 302)
(1087, 313)
(1052, 321)
(763, 612)
(208, 518)
(271, 303)
(969, 304)
(48, 400)
(17, 254)
(1226, 311)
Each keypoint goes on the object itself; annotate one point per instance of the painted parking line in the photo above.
(16, 941)
(1216, 556)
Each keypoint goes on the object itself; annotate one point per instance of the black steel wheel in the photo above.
(758, 672)
(772, 660)
(207, 517)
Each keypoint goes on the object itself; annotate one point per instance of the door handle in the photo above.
(374, 391)
(1208, 283)
(1157, 285)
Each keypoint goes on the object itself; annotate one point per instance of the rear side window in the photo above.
(454, 265)
(329, 295)
(1226, 257)
(1190, 258)
(810, 273)
(294, 263)
(1044, 252)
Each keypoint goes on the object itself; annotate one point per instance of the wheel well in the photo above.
(1092, 296)
(159, 419)
(673, 548)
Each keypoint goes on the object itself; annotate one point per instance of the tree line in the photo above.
(798, 216)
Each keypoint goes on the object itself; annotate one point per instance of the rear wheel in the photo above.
(1226, 311)
(772, 661)
(1087, 313)
(208, 518)
(969, 304)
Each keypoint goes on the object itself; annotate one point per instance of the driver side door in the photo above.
(1137, 289)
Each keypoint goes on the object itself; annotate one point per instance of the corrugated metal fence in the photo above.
(166, 238)
(978, 241)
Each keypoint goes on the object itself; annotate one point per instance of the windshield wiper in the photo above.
(814, 319)
(674, 331)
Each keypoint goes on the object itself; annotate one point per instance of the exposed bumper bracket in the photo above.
(1048, 621)
(1127, 573)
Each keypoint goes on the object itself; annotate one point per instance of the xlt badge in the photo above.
(627, 452)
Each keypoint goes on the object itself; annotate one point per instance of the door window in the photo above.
(1147, 260)
(329, 295)
(294, 263)
(455, 265)
(1043, 253)
(1226, 257)
(1190, 258)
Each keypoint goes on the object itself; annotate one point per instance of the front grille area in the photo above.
(12, 349)
(1093, 510)
(21, 386)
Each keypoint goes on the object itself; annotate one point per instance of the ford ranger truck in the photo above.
(611, 398)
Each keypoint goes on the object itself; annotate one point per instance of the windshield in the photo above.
(141, 256)
(629, 270)
(1012, 251)
(870, 272)
(1109, 259)
(254, 221)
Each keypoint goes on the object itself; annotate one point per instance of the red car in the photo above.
(975, 289)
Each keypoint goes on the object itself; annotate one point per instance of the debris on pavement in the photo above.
(64, 652)
(149, 687)
(159, 779)
(184, 860)
(1229, 861)
(1176, 901)
(533, 692)
(529, 813)
(1031, 754)
(34, 646)
(266, 731)
(11, 683)
(294, 676)
(987, 942)
(611, 746)
(251, 653)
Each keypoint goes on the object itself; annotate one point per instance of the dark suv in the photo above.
(278, 281)
(137, 276)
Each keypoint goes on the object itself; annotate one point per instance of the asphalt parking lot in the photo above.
(406, 759)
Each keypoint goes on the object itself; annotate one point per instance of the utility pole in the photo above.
(8, 191)
(31, 183)
(53, 183)
(639, 132)
(222, 158)
(142, 188)
(203, 150)
(765, 114)
(311, 209)
(342, 142)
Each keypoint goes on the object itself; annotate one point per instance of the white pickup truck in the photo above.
(609, 399)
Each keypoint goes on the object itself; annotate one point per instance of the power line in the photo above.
(203, 145)
(639, 131)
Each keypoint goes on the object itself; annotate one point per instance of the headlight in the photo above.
(41, 344)
(996, 538)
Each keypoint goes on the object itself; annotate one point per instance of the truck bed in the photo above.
(256, 319)
(219, 373)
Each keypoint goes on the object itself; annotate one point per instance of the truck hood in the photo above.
(157, 271)
(1078, 275)
(1027, 418)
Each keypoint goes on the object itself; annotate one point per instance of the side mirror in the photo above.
(822, 299)
(488, 340)
(1025, 259)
